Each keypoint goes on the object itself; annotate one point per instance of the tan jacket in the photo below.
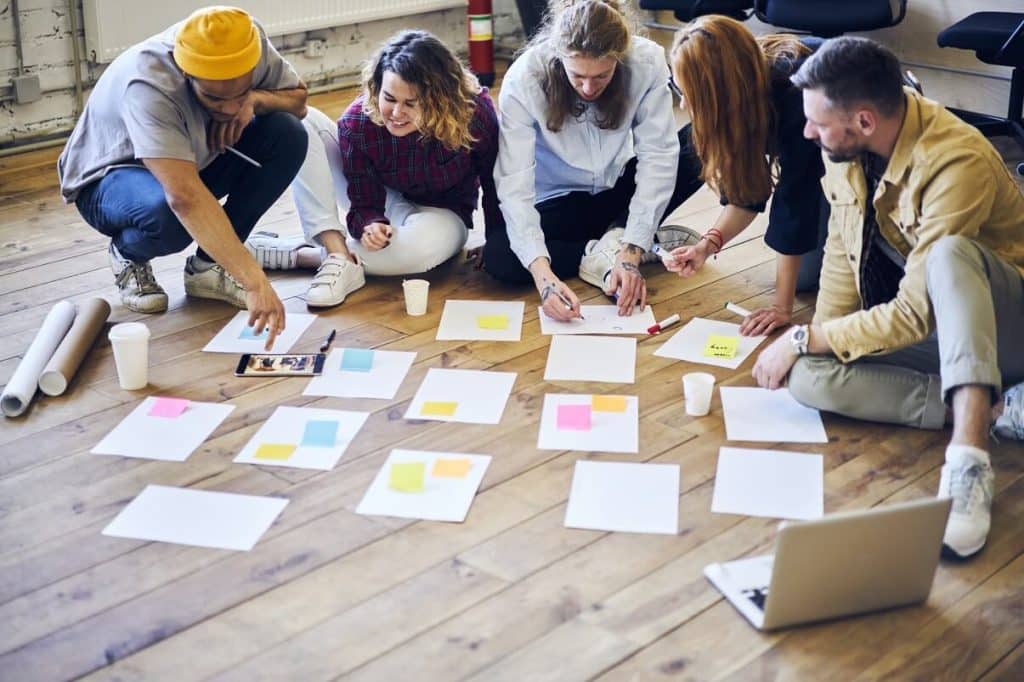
(944, 178)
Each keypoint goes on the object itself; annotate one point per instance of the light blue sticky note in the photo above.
(357, 360)
(321, 434)
(249, 334)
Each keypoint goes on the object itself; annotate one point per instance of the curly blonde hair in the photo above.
(446, 89)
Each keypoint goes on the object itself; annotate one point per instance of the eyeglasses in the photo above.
(674, 87)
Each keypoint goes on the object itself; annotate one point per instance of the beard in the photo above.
(844, 153)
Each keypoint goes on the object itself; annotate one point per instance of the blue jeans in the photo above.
(129, 206)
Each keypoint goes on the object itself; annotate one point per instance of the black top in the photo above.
(880, 274)
(798, 200)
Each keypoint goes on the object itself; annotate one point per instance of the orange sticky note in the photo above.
(436, 408)
(274, 451)
(492, 322)
(451, 468)
(608, 403)
(407, 477)
(722, 347)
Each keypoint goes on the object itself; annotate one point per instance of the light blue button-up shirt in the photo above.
(535, 164)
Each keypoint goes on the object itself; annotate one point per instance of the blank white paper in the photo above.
(382, 381)
(591, 358)
(771, 483)
(758, 414)
(287, 425)
(459, 320)
(480, 396)
(227, 339)
(201, 518)
(689, 342)
(599, 319)
(609, 431)
(442, 498)
(140, 435)
(626, 497)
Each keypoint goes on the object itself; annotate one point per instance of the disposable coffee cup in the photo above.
(130, 341)
(415, 295)
(697, 390)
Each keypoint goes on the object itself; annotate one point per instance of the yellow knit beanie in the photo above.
(217, 43)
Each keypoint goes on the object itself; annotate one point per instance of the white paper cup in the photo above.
(415, 295)
(697, 389)
(130, 341)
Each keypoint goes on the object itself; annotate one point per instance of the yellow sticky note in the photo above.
(436, 408)
(451, 468)
(722, 347)
(407, 477)
(274, 451)
(492, 322)
(608, 403)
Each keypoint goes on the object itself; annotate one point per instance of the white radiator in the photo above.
(112, 26)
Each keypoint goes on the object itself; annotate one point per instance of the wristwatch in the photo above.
(799, 338)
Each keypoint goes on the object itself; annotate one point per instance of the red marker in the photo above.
(667, 322)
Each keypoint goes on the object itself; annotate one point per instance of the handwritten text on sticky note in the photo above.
(722, 347)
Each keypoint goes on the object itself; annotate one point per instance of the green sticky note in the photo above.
(722, 347)
(492, 322)
(407, 477)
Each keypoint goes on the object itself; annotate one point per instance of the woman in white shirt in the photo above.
(588, 140)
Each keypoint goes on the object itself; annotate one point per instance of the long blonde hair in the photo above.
(725, 76)
(446, 89)
(585, 28)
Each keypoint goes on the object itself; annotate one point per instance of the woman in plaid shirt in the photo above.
(404, 164)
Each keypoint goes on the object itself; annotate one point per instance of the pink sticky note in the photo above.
(574, 417)
(170, 408)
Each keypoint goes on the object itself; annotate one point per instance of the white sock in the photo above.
(956, 453)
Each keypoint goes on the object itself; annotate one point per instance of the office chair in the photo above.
(688, 10)
(996, 38)
(829, 19)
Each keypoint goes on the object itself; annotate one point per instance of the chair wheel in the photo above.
(1020, 168)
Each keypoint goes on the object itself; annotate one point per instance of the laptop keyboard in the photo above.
(757, 596)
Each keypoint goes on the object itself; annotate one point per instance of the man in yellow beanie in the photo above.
(146, 163)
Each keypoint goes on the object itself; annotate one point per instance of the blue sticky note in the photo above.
(249, 334)
(357, 360)
(322, 434)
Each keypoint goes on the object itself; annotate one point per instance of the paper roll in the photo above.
(61, 368)
(22, 386)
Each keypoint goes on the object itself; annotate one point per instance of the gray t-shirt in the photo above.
(142, 108)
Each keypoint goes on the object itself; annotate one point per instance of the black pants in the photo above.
(571, 220)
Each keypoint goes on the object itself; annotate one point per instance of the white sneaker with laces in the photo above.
(336, 278)
(967, 478)
(274, 252)
(140, 292)
(1010, 424)
(211, 280)
(599, 257)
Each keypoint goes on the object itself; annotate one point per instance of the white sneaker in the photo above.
(1010, 424)
(599, 257)
(274, 252)
(140, 292)
(335, 279)
(967, 478)
(210, 280)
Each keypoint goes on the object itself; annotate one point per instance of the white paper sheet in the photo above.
(382, 381)
(758, 414)
(689, 342)
(626, 497)
(599, 319)
(228, 339)
(609, 431)
(171, 439)
(460, 320)
(287, 426)
(201, 518)
(442, 498)
(591, 358)
(771, 483)
(480, 396)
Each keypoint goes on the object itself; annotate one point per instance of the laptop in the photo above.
(839, 565)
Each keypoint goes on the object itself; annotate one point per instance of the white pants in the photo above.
(423, 236)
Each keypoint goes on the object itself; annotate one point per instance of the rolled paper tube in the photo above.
(61, 368)
(22, 387)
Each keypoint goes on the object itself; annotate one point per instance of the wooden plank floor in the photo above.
(509, 594)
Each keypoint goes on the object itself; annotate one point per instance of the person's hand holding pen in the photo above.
(558, 301)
